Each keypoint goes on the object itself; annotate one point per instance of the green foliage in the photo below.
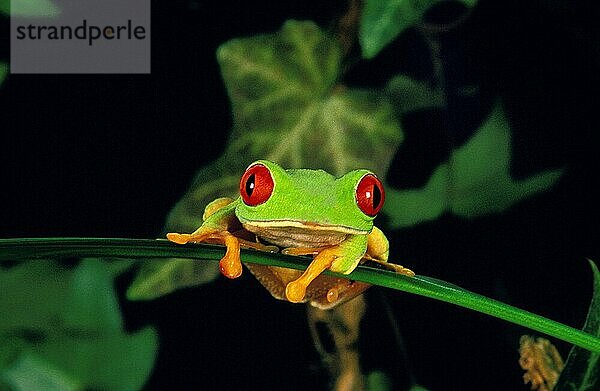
(475, 181)
(419, 285)
(30, 372)
(378, 381)
(29, 8)
(417, 388)
(158, 278)
(383, 20)
(3, 71)
(65, 330)
(582, 369)
(409, 95)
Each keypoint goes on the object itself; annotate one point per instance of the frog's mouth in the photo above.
(292, 233)
(304, 225)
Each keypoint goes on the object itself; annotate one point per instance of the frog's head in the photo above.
(312, 199)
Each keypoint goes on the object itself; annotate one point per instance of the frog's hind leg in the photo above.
(339, 293)
(295, 290)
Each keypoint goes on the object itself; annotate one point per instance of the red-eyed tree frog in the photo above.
(304, 212)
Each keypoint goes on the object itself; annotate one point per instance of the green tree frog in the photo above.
(304, 212)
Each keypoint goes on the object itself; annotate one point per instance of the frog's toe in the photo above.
(178, 238)
(231, 265)
(230, 268)
(295, 291)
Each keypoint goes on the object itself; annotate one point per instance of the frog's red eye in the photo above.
(370, 195)
(256, 185)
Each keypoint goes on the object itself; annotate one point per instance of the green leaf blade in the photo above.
(421, 285)
(582, 368)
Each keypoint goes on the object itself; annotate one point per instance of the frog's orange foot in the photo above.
(394, 267)
(230, 267)
(258, 246)
(178, 238)
(302, 250)
(230, 264)
(390, 266)
(295, 291)
(401, 270)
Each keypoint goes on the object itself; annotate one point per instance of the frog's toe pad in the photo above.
(395, 268)
(295, 291)
(230, 267)
(178, 238)
(404, 271)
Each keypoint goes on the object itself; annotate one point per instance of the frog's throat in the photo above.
(307, 225)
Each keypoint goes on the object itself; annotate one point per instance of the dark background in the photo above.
(108, 155)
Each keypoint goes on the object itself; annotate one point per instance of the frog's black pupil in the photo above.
(376, 196)
(250, 185)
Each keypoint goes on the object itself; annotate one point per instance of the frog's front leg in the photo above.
(341, 258)
(218, 218)
(230, 264)
(378, 249)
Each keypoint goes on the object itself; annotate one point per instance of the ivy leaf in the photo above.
(469, 3)
(30, 372)
(3, 71)
(22, 288)
(383, 20)
(582, 369)
(410, 95)
(91, 303)
(289, 108)
(475, 181)
(378, 381)
(29, 8)
(116, 361)
(159, 277)
(66, 328)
